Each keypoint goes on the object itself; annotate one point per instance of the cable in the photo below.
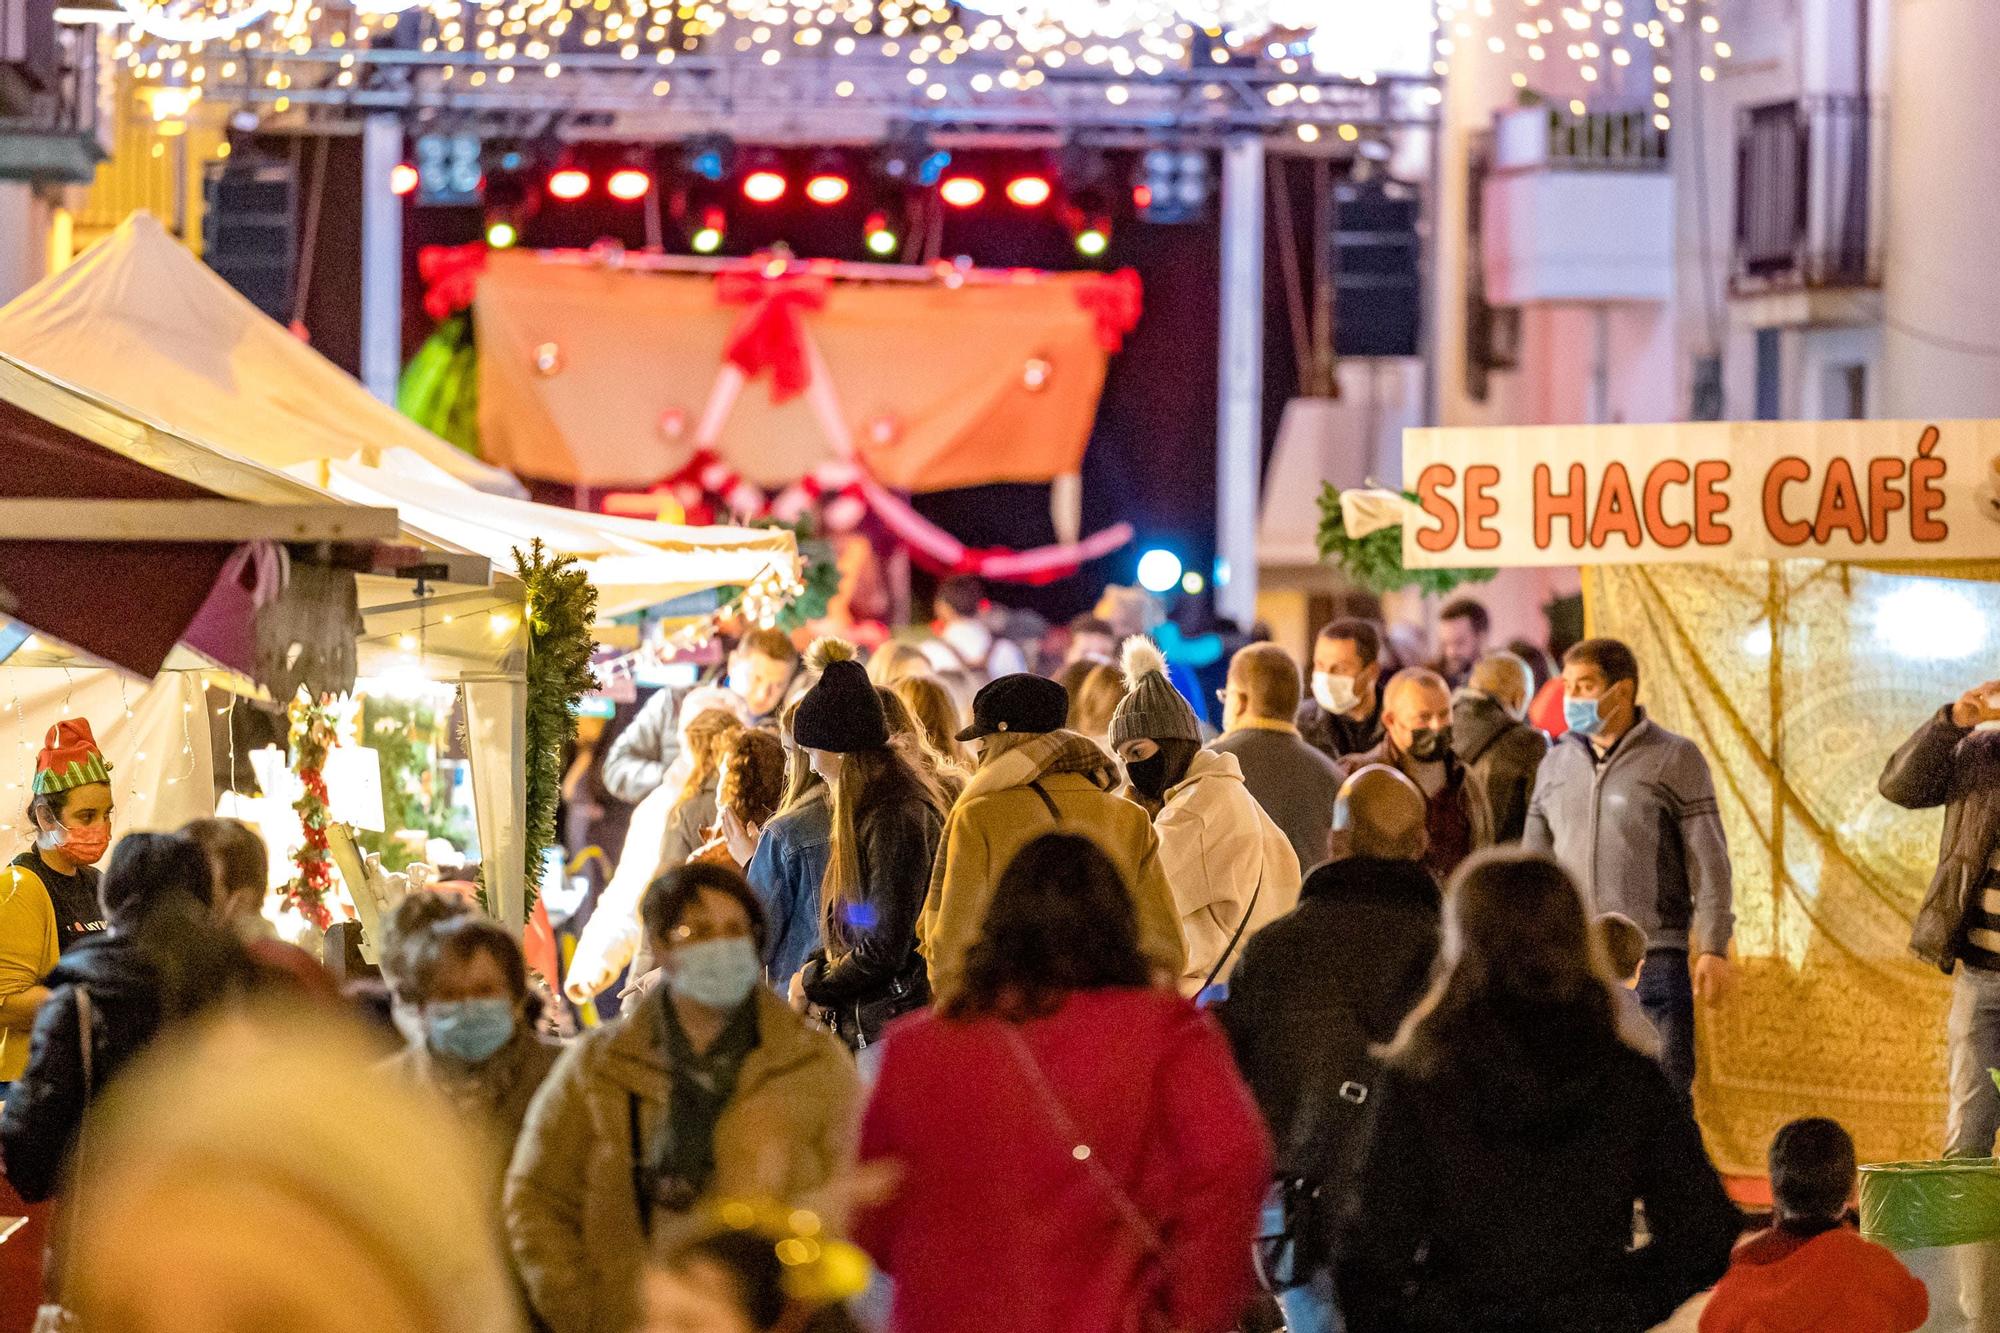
(1986, 351)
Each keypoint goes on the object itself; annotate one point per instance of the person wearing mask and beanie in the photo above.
(1417, 741)
(1343, 714)
(1629, 809)
(1036, 777)
(48, 895)
(886, 818)
(480, 1051)
(1488, 735)
(708, 1089)
(1231, 869)
(1316, 993)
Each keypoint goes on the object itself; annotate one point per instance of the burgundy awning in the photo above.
(126, 602)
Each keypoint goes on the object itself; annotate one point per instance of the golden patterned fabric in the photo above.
(1798, 680)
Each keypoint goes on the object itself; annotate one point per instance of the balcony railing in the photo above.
(1556, 138)
(1809, 209)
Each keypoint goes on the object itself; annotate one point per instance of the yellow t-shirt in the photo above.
(28, 949)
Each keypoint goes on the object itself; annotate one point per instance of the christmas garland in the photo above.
(311, 738)
(562, 607)
(1375, 562)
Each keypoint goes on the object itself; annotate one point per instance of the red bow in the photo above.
(1115, 300)
(450, 272)
(771, 336)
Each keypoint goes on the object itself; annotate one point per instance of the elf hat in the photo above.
(69, 759)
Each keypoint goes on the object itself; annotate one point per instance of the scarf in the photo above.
(1016, 759)
(682, 1161)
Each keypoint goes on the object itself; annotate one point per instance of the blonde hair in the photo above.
(932, 704)
(894, 662)
(707, 736)
(903, 725)
(800, 780)
(1093, 703)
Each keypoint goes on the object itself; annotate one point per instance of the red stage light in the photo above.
(628, 183)
(569, 183)
(1142, 196)
(764, 187)
(402, 178)
(1029, 191)
(827, 188)
(962, 191)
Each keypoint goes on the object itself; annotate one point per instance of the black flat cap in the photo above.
(1021, 702)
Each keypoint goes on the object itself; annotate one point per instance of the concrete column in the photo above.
(1239, 441)
(381, 256)
(1941, 273)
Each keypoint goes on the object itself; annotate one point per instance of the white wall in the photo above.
(24, 233)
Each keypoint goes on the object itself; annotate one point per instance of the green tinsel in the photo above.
(562, 608)
(1375, 562)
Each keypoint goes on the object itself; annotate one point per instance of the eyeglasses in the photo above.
(702, 934)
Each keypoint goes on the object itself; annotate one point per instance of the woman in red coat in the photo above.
(1076, 1151)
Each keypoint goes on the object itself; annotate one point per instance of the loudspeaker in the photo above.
(1376, 266)
(250, 226)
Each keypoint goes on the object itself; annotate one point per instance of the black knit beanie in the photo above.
(840, 713)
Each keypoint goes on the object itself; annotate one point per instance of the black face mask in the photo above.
(1430, 743)
(1148, 776)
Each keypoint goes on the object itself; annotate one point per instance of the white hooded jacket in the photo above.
(1223, 857)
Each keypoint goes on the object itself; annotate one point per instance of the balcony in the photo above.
(52, 126)
(1809, 212)
(1577, 209)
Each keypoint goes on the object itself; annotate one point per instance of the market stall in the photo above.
(90, 589)
(1800, 597)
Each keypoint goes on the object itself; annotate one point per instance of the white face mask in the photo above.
(1336, 694)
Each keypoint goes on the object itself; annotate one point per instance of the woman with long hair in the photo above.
(746, 796)
(708, 736)
(1514, 1133)
(1094, 699)
(886, 819)
(907, 731)
(895, 662)
(936, 710)
(790, 861)
(1076, 1152)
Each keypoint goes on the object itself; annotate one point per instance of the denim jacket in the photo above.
(785, 874)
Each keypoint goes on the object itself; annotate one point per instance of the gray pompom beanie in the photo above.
(1152, 708)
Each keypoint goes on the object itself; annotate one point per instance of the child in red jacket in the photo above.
(1810, 1273)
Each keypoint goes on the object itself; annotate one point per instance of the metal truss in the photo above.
(824, 98)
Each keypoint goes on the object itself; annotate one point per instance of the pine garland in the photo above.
(562, 608)
(311, 737)
(1375, 562)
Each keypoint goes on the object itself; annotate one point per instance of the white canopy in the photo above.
(138, 319)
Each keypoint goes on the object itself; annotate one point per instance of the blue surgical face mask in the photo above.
(469, 1030)
(717, 973)
(1582, 715)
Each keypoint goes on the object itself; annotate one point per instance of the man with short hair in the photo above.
(1491, 738)
(1317, 992)
(1463, 629)
(1295, 783)
(761, 672)
(965, 645)
(1344, 714)
(1416, 721)
(1629, 809)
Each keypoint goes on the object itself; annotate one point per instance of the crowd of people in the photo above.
(1066, 1008)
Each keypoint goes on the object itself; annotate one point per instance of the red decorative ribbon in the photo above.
(771, 336)
(1115, 300)
(449, 273)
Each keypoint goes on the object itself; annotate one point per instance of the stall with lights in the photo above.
(1800, 597)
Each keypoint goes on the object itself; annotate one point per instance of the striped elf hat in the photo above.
(69, 759)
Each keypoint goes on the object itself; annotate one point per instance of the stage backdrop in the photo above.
(599, 376)
(1798, 679)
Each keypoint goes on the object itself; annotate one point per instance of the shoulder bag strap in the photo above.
(85, 1041)
(1129, 1212)
(1048, 801)
(1235, 939)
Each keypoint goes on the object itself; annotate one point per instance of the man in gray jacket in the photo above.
(1629, 809)
(762, 671)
